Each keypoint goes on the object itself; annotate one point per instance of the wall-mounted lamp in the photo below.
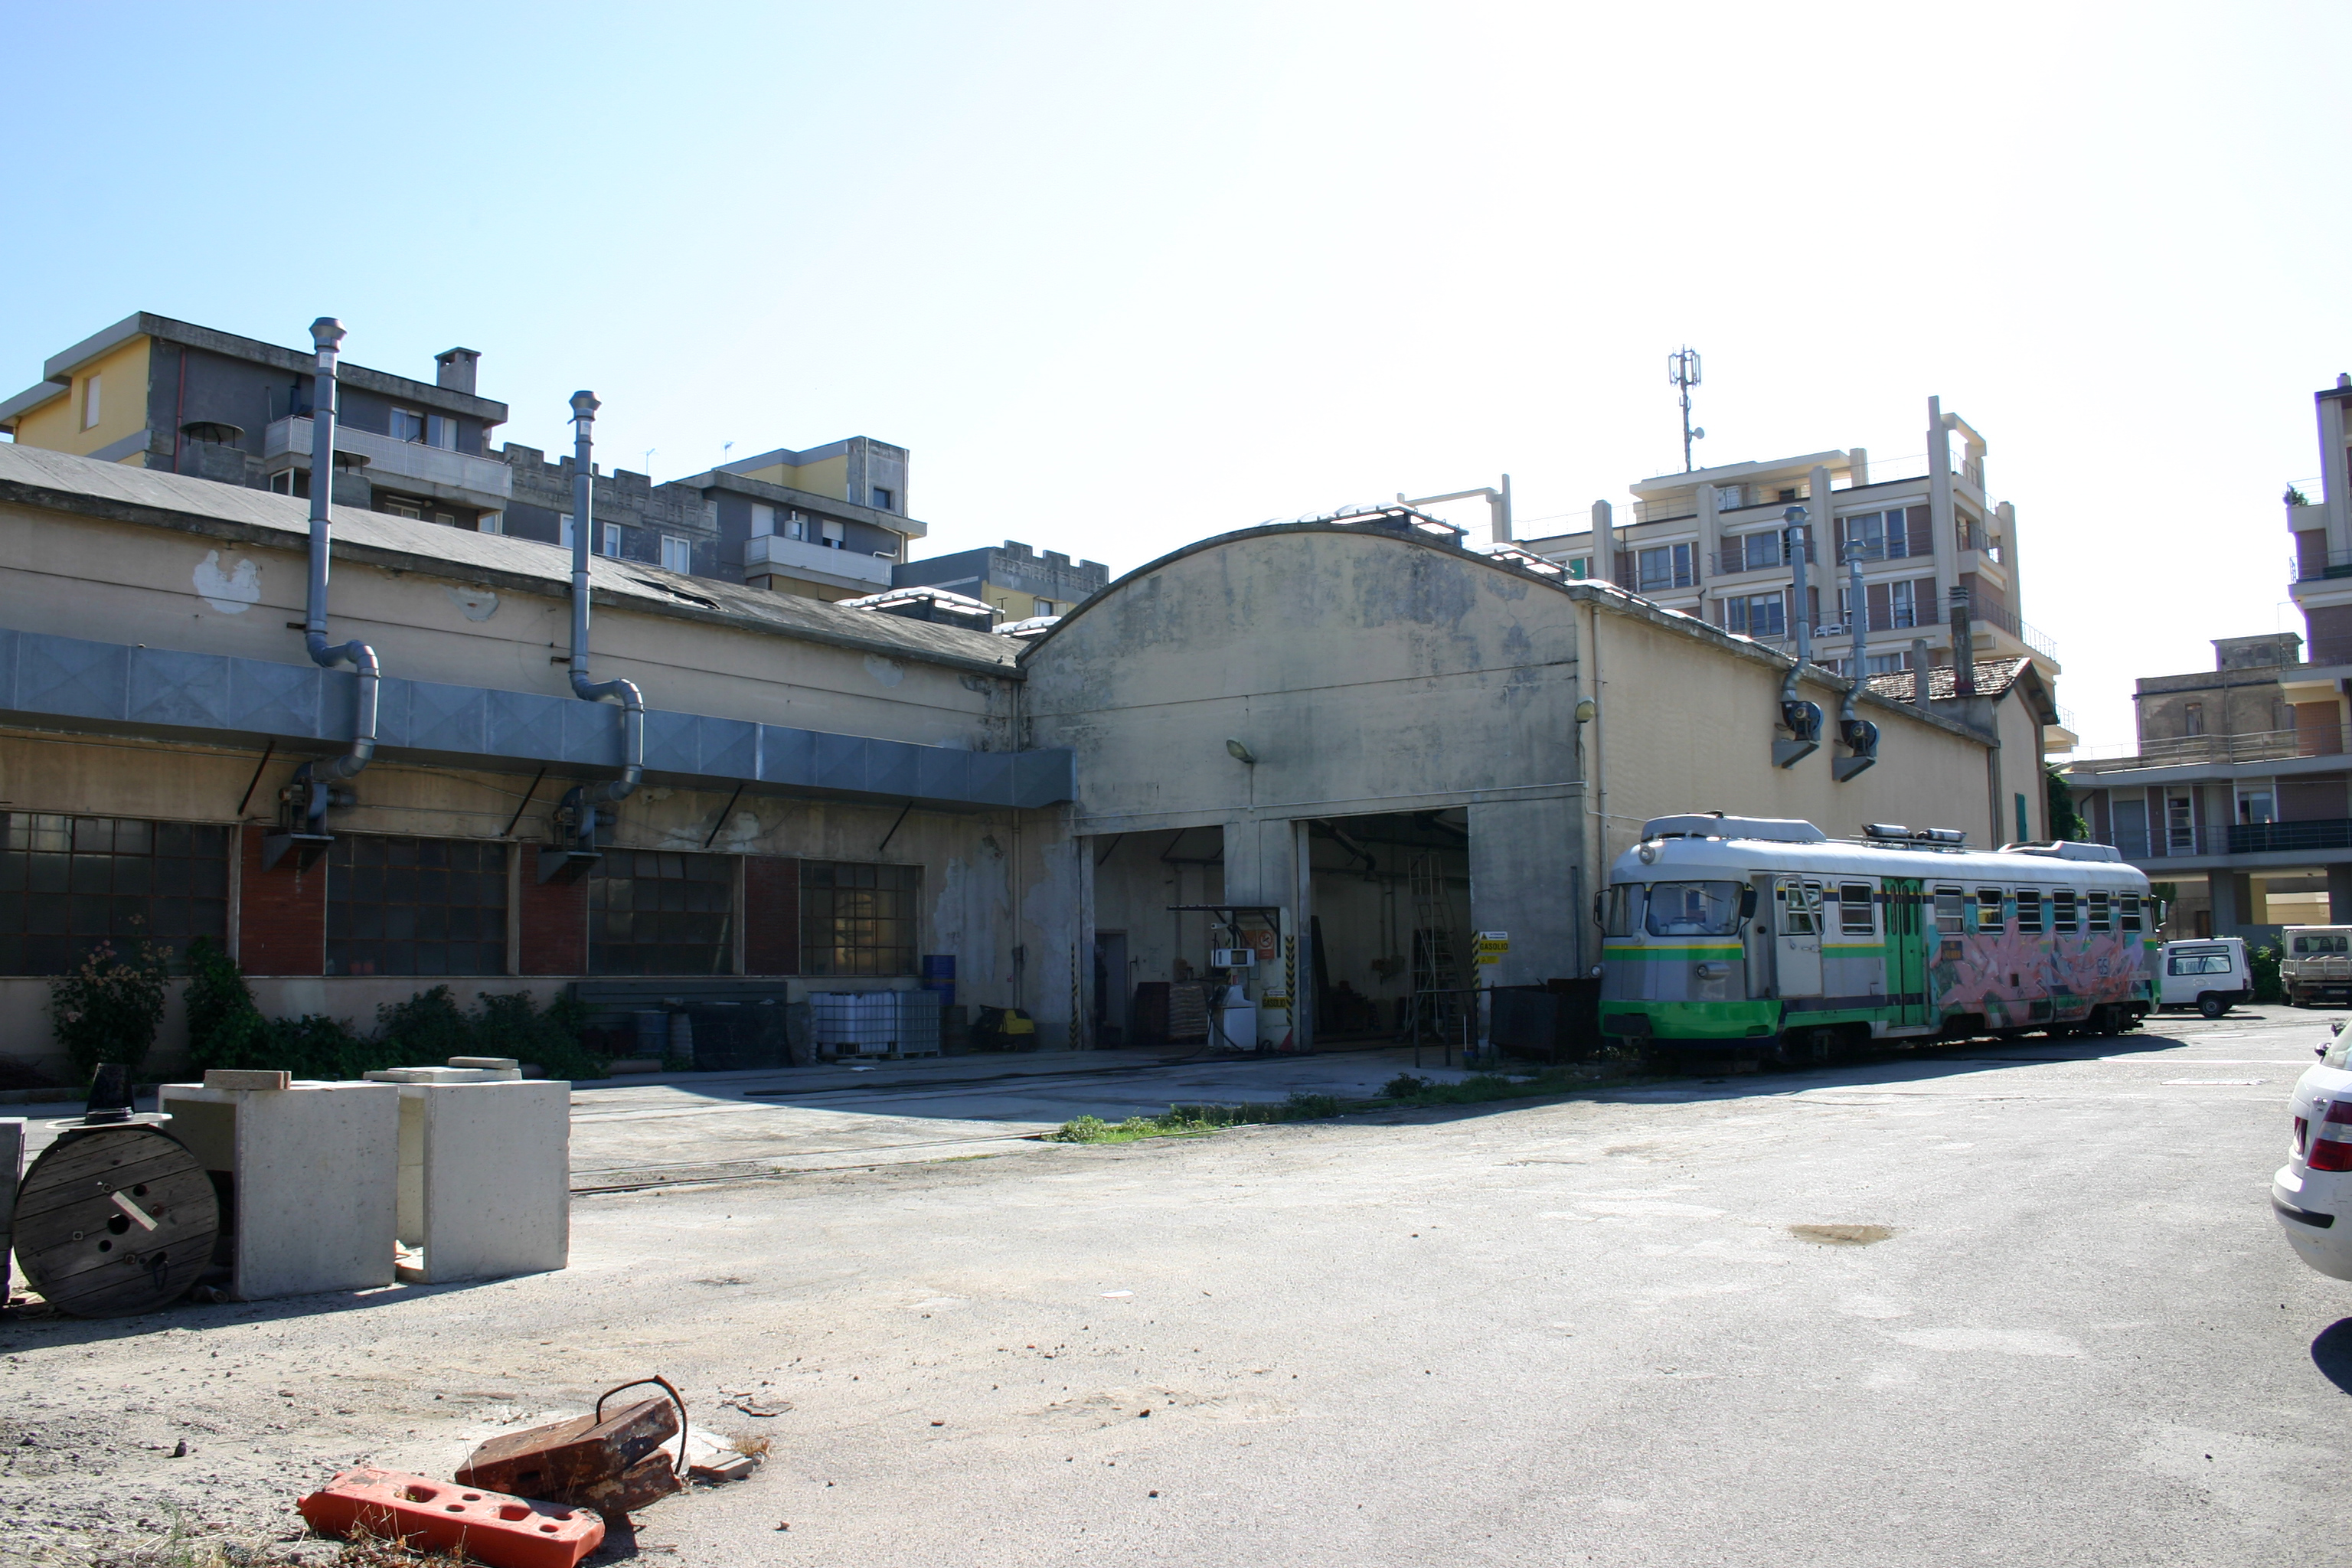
(1587, 711)
(1241, 753)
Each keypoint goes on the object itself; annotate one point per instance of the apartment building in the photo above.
(826, 523)
(158, 394)
(1016, 580)
(1715, 544)
(2238, 791)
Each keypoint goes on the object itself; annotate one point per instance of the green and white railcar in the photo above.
(1749, 936)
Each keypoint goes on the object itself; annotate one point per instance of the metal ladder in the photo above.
(1436, 976)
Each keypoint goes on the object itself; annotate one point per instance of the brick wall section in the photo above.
(554, 922)
(281, 914)
(772, 915)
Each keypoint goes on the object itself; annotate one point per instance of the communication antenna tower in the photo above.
(1682, 369)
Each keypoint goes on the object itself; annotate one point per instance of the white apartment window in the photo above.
(677, 552)
(1045, 607)
(613, 539)
(1904, 605)
(445, 520)
(1757, 615)
(441, 432)
(763, 520)
(492, 523)
(1886, 663)
(89, 403)
(400, 507)
(407, 425)
(1727, 498)
(563, 530)
(1665, 566)
(884, 498)
(835, 535)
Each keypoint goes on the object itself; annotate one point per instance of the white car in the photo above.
(2210, 974)
(2312, 1193)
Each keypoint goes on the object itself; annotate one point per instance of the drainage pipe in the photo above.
(1857, 613)
(1801, 608)
(327, 335)
(625, 692)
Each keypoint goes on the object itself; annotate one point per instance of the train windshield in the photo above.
(1693, 909)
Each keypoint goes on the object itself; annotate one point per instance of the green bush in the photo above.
(2263, 962)
(227, 1029)
(107, 1009)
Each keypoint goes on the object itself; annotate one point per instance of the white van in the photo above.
(2210, 974)
(2317, 964)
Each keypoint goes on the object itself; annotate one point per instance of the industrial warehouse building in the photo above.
(1360, 726)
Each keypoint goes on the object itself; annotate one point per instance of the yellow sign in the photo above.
(1492, 946)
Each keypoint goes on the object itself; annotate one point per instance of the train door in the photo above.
(1797, 936)
(1906, 950)
(1756, 937)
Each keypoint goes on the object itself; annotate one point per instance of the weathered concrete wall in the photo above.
(1368, 673)
(79, 576)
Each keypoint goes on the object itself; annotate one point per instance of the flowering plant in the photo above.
(106, 1010)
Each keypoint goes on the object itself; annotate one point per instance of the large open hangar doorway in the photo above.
(1389, 928)
(1143, 949)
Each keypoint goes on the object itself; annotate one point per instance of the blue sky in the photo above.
(1123, 276)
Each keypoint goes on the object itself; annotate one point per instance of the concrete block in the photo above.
(12, 1168)
(509, 1064)
(247, 1078)
(485, 1178)
(313, 1174)
(442, 1075)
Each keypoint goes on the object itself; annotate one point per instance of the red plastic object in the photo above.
(491, 1527)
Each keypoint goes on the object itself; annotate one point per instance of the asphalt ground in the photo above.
(2022, 1305)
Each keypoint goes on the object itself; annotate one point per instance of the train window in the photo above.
(2127, 911)
(1693, 909)
(2101, 915)
(1989, 914)
(1801, 908)
(2062, 910)
(1951, 910)
(1857, 916)
(1617, 910)
(2028, 909)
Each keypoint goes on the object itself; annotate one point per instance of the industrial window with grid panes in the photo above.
(661, 912)
(68, 883)
(415, 906)
(858, 920)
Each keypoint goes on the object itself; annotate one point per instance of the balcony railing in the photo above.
(1757, 555)
(2319, 566)
(774, 554)
(2233, 838)
(2026, 632)
(485, 479)
(2215, 751)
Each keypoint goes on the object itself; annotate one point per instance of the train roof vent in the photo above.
(1714, 824)
(2062, 850)
(1895, 833)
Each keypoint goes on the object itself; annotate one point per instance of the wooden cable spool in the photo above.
(114, 1220)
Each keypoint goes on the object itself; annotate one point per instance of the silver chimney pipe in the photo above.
(1857, 615)
(1802, 718)
(633, 702)
(1860, 735)
(327, 335)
